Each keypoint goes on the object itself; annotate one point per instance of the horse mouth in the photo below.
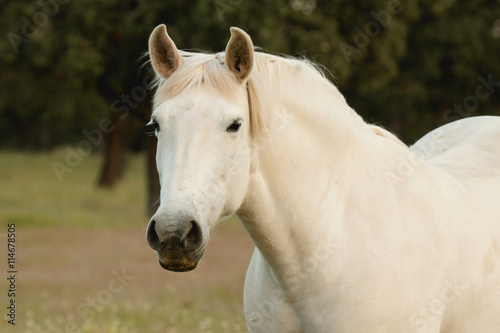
(184, 263)
(179, 268)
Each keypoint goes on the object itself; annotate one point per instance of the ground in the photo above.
(83, 264)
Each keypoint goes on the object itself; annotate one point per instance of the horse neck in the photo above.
(317, 155)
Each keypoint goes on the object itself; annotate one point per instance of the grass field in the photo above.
(83, 264)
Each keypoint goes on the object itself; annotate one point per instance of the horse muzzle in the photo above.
(178, 242)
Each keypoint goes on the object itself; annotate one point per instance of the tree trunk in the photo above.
(114, 164)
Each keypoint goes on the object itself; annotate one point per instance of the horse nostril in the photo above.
(152, 236)
(193, 237)
(166, 237)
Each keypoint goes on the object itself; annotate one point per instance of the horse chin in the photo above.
(181, 264)
(179, 268)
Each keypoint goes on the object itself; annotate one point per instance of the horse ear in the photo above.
(239, 54)
(163, 53)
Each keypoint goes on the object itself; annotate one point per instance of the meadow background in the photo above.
(77, 172)
(73, 239)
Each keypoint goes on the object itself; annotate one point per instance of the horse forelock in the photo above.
(199, 69)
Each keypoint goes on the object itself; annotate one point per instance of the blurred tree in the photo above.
(71, 65)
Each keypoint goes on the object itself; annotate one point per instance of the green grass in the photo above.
(71, 236)
(32, 194)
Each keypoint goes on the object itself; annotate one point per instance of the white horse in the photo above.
(354, 231)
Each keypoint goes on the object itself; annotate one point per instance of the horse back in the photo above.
(468, 149)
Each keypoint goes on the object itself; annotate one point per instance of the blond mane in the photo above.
(271, 77)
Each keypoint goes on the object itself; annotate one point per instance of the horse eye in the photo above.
(234, 127)
(155, 125)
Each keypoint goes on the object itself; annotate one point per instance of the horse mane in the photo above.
(380, 131)
(209, 71)
(267, 81)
